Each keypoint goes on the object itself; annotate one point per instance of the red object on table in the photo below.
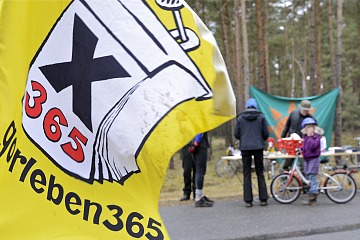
(288, 145)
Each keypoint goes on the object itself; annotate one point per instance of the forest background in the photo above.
(290, 48)
(287, 48)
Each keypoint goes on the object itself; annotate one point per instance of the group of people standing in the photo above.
(252, 131)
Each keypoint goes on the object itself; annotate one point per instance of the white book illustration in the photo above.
(112, 71)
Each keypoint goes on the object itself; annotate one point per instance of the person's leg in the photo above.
(193, 167)
(187, 164)
(313, 185)
(305, 171)
(200, 162)
(313, 192)
(246, 159)
(308, 176)
(259, 168)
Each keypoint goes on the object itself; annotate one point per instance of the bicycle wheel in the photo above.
(226, 168)
(282, 193)
(341, 188)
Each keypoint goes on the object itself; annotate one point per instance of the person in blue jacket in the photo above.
(252, 131)
(198, 149)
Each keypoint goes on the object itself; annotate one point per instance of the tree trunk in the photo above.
(287, 56)
(261, 46)
(238, 83)
(197, 7)
(331, 45)
(172, 164)
(245, 50)
(224, 33)
(356, 82)
(203, 13)
(267, 58)
(292, 52)
(292, 67)
(231, 42)
(303, 80)
(318, 46)
(304, 53)
(338, 120)
(312, 49)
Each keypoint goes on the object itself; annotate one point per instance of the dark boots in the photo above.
(311, 200)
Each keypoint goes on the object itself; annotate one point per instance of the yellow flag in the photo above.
(95, 98)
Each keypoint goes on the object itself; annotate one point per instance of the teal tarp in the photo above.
(277, 110)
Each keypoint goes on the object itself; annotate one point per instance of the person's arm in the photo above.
(323, 145)
(195, 143)
(313, 142)
(265, 129)
(287, 127)
(237, 130)
(198, 139)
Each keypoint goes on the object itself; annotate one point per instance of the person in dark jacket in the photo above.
(252, 131)
(188, 165)
(311, 154)
(293, 125)
(198, 150)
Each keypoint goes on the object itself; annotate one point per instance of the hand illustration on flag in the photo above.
(108, 91)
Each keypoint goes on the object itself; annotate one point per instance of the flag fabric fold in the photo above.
(96, 97)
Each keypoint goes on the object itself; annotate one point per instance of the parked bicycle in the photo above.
(338, 185)
(227, 168)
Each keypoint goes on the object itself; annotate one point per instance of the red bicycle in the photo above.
(337, 184)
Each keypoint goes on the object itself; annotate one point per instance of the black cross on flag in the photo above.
(82, 70)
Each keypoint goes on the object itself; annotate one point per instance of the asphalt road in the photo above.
(231, 220)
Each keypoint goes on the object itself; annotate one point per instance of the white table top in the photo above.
(277, 156)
